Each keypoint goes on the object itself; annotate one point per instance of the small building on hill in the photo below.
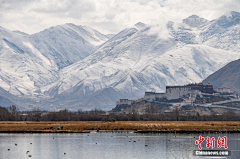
(124, 102)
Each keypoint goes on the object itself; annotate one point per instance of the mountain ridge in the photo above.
(73, 66)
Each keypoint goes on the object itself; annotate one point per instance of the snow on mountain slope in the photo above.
(23, 69)
(223, 32)
(195, 21)
(80, 67)
(20, 33)
(191, 63)
(29, 63)
(227, 40)
(129, 49)
(110, 36)
(66, 44)
(178, 66)
(135, 61)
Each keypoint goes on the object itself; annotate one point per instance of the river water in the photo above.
(109, 146)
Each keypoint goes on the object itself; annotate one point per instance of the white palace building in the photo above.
(176, 92)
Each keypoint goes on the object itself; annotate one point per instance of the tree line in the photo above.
(13, 114)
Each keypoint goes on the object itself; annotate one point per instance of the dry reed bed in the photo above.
(73, 126)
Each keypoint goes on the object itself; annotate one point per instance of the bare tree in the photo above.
(14, 113)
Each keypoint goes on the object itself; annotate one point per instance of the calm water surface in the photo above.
(107, 146)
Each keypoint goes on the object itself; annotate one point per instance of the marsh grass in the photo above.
(73, 126)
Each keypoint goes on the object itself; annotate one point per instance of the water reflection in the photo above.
(107, 146)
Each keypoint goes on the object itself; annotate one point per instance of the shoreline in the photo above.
(30, 127)
(107, 131)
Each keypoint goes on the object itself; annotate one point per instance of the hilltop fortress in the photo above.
(176, 92)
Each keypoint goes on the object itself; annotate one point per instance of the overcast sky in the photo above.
(106, 16)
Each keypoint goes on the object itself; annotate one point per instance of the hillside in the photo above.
(228, 76)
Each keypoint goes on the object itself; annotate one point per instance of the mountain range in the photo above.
(70, 66)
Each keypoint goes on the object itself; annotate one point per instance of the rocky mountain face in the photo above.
(195, 21)
(228, 76)
(23, 68)
(67, 44)
(32, 62)
(78, 67)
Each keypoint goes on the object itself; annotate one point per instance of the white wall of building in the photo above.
(160, 95)
(149, 96)
(172, 93)
(124, 102)
(177, 92)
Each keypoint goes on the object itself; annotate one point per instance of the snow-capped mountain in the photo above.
(195, 21)
(23, 68)
(138, 60)
(30, 62)
(115, 79)
(67, 44)
(75, 67)
(224, 32)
